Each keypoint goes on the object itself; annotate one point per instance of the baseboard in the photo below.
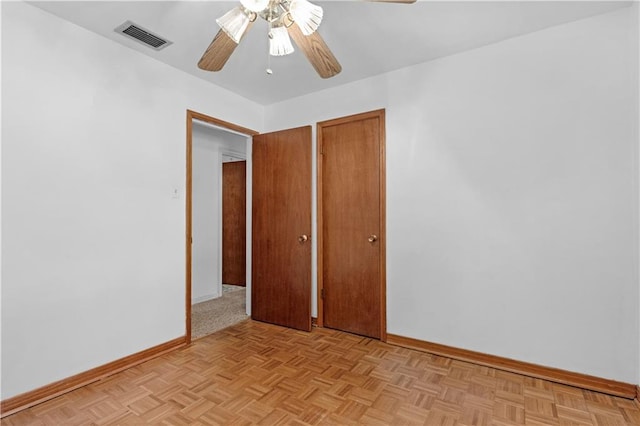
(28, 399)
(205, 298)
(598, 384)
(314, 322)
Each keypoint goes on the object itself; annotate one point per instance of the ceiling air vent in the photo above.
(142, 35)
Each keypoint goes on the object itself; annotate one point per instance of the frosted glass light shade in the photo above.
(279, 42)
(307, 15)
(255, 5)
(234, 23)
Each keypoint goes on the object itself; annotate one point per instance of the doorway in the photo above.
(209, 140)
(351, 224)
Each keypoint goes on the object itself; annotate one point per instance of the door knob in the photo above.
(373, 238)
(302, 238)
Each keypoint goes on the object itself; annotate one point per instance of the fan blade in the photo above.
(316, 51)
(219, 51)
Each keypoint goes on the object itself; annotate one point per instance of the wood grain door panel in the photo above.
(234, 222)
(281, 264)
(352, 226)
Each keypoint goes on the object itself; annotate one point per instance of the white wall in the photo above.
(93, 141)
(512, 194)
(208, 146)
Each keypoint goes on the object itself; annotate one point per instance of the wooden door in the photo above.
(234, 222)
(351, 218)
(281, 248)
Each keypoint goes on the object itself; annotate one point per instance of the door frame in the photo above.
(223, 125)
(380, 114)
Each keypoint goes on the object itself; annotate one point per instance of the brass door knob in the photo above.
(303, 238)
(373, 238)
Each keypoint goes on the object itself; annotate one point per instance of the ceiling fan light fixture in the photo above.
(307, 15)
(279, 42)
(235, 22)
(255, 5)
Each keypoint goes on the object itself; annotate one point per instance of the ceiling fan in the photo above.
(287, 19)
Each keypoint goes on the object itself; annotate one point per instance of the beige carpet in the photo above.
(216, 314)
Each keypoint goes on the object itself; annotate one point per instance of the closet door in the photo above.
(281, 216)
(351, 211)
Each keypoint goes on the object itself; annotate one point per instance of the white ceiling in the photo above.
(367, 38)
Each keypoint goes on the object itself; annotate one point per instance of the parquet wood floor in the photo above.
(255, 373)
